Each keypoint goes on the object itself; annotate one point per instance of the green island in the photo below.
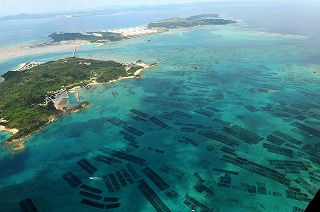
(94, 37)
(192, 21)
(152, 28)
(27, 97)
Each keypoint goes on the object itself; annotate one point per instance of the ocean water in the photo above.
(253, 79)
(268, 17)
(26, 31)
(34, 31)
(232, 83)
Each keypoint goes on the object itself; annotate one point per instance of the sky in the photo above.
(13, 7)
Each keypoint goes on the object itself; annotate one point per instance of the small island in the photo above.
(192, 21)
(94, 37)
(31, 99)
(107, 36)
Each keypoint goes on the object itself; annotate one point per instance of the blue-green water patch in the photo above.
(213, 103)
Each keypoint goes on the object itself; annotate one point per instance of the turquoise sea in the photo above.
(229, 121)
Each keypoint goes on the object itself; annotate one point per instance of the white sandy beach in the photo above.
(12, 131)
(136, 75)
(137, 31)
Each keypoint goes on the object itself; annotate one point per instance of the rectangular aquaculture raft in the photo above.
(152, 197)
(122, 155)
(27, 206)
(155, 178)
(88, 167)
(71, 179)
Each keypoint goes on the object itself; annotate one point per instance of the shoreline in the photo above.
(26, 66)
(19, 143)
(135, 76)
(12, 52)
(12, 131)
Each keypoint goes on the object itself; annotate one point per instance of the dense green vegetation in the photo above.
(89, 36)
(22, 92)
(198, 20)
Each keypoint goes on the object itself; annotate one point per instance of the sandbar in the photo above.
(7, 53)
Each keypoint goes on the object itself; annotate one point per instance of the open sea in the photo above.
(229, 121)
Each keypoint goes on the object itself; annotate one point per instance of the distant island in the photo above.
(87, 36)
(110, 10)
(152, 28)
(69, 41)
(192, 21)
(33, 98)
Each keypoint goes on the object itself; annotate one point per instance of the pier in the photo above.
(77, 96)
(74, 51)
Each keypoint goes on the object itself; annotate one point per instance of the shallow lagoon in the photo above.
(210, 82)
